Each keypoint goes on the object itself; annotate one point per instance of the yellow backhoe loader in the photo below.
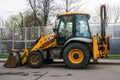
(72, 41)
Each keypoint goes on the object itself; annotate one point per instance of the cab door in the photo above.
(65, 29)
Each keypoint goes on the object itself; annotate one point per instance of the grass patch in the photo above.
(114, 57)
(111, 56)
(4, 55)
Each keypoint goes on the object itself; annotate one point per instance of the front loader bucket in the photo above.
(11, 61)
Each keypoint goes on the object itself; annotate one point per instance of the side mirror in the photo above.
(54, 30)
(56, 24)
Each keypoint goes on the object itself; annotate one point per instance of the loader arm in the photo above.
(44, 42)
(41, 44)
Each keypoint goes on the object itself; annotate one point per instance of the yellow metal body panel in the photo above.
(97, 52)
(45, 42)
(95, 48)
(24, 56)
(70, 13)
(104, 53)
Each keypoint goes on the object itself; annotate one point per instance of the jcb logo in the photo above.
(49, 38)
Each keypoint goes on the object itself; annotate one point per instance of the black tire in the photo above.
(48, 61)
(35, 59)
(82, 62)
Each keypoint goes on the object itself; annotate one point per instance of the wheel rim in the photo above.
(76, 56)
(34, 59)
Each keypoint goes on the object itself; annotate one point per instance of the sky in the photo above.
(92, 5)
(10, 7)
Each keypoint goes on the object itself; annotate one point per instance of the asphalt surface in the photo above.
(104, 70)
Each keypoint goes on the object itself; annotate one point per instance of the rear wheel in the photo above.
(76, 55)
(35, 59)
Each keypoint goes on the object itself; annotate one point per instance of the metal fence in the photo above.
(17, 37)
(113, 30)
(22, 38)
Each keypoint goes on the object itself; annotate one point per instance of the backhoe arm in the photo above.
(101, 43)
(104, 39)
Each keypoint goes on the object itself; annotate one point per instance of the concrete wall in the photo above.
(114, 46)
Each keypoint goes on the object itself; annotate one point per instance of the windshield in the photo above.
(82, 27)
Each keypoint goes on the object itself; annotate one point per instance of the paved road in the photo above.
(104, 70)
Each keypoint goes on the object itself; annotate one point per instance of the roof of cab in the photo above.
(70, 13)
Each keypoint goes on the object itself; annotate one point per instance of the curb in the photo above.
(3, 59)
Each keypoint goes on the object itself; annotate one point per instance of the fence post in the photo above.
(13, 38)
(39, 32)
(0, 39)
(25, 37)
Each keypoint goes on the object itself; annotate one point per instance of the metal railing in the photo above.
(15, 38)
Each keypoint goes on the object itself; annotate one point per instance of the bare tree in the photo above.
(1, 22)
(15, 21)
(44, 5)
(113, 15)
(41, 10)
(33, 5)
(71, 5)
(18, 19)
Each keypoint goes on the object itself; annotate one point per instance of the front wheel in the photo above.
(35, 59)
(76, 55)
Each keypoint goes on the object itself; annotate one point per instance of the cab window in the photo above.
(82, 27)
(65, 28)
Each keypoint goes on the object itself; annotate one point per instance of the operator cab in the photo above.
(72, 24)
